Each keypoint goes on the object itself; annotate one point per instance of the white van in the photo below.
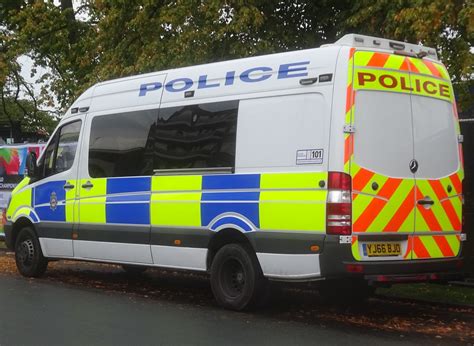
(341, 164)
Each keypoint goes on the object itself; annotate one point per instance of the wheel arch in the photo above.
(19, 224)
(227, 236)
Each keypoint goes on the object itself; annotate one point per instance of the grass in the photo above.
(448, 294)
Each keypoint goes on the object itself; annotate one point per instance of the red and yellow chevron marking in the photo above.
(422, 247)
(389, 209)
(445, 213)
(434, 246)
(395, 73)
(350, 99)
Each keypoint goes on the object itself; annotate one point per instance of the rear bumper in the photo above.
(338, 262)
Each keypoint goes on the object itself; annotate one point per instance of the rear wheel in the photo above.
(236, 278)
(28, 255)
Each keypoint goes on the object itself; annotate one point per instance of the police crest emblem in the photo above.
(53, 201)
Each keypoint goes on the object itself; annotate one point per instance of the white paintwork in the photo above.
(116, 252)
(179, 257)
(56, 247)
(289, 266)
(272, 129)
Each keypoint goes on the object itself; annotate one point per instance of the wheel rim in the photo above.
(233, 277)
(26, 252)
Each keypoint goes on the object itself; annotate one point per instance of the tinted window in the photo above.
(120, 144)
(136, 143)
(198, 136)
(67, 146)
(59, 157)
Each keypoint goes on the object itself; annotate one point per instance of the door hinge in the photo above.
(349, 128)
(460, 138)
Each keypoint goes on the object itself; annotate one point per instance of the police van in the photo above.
(340, 164)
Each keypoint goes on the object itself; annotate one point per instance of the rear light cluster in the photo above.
(339, 204)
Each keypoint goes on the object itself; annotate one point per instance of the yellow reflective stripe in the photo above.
(176, 183)
(362, 58)
(92, 201)
(355, 248)
(454, 243)
(431, 246)
(22, 211)
(387, 80)
(292, 180)
(70, 204)
(442, 70)
(437, 209)
(24, 182)
(420, 66)
(19, 199)
(431, 87)
(391, 207)
(293, 209)
(176, 201)
(394, 62)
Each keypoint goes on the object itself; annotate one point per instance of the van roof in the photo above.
(82, 103)
(363, 41)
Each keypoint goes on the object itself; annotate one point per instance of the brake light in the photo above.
(339, 204)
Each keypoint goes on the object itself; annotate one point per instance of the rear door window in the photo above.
(435, 137)
(383, 141)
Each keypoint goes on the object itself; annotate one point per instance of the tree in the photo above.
(104, 39)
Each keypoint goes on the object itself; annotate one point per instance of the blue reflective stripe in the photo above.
(210, 211)
(33, 216)
(232, 221)
(123, 185)
(45, 213)
(129, 198)
(234, 181)
(132, 213)
(230, 196)
(42, 193)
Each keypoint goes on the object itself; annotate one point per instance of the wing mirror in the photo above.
(31, 167)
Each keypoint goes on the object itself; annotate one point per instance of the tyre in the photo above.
(134, 270)
(237, 280)
(28, 255)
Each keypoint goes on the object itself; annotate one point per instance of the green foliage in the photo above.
(104, 39)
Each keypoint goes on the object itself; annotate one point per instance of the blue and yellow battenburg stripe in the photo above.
(270, 201)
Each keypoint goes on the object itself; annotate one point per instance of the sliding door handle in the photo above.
(68, 186)
(87, 185)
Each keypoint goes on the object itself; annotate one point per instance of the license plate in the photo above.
(382, 249)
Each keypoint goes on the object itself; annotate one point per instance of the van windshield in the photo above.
(393, 128)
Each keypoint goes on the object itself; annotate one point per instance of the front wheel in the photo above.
(236, 278)
(28, 255)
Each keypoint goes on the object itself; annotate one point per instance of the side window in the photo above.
(196, 136)
(121, 144)
(67, 146)
(61, 151)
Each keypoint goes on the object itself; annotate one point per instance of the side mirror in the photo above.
(31, 167)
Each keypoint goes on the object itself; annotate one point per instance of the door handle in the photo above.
(425, 202)
(68, 186)
(87, 185)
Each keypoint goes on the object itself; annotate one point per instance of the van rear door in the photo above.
(401, 110)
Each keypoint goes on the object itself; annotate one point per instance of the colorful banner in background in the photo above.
(13, 169)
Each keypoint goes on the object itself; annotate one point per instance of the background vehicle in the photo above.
(340, 163)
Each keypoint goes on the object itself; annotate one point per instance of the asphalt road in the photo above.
(48, 313)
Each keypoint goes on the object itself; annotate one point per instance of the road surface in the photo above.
(83, 303)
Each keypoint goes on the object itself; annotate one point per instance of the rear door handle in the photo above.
(87, 185)
(68, 186)
(425, 202)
